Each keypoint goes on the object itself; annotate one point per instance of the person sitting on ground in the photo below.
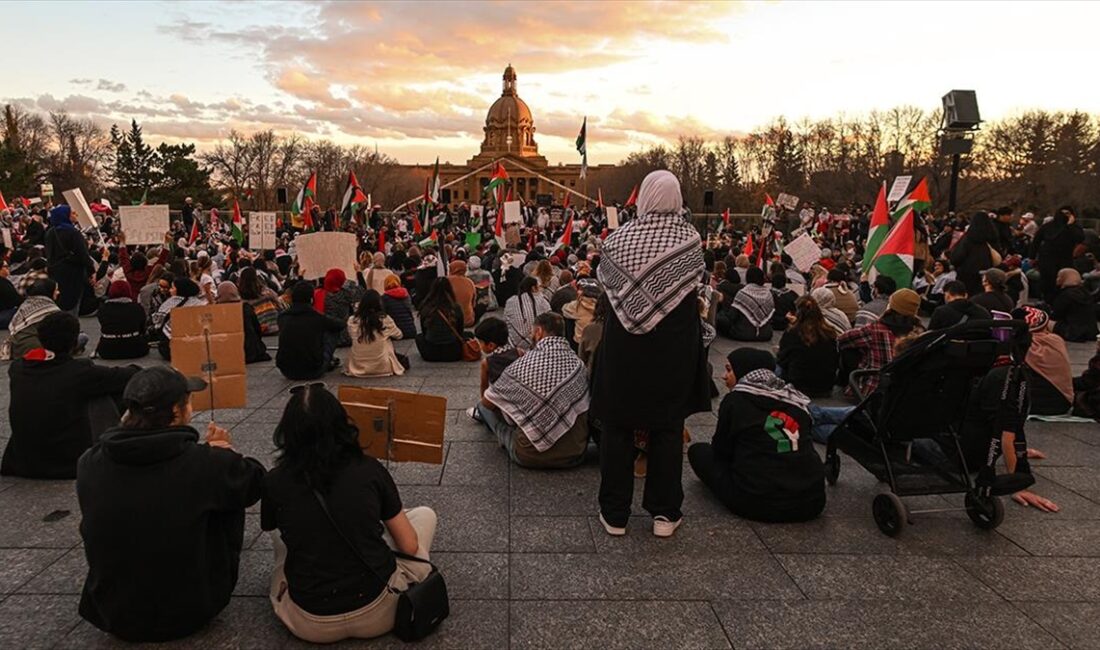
(881, 290)
(846, 301)
(1086, 389)
(538, 406)
(483, 282)
(593, 333)
(784, 298)
(255, 350)
(565, 294)
(492, 336)
(1051, 379)
(372, 332)
(39, 303)
(346, 549)
(398, 306)
(956, 308)
(834, 318)
(1074, 310)
(149, 491)
(185, 293)
(121, 324)
(808, 356)
(465, 292)
(305, 352)
(521, 310)
(265, 302)
(872, 346)
(748, 318)
(336, 298)
(59, 405)
(761, 463)
(10, 298)
(377, 275)
(728, 287)
(441, 335)
(137, 267)
(993, 296)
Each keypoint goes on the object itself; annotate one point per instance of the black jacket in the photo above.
(952, 313)
(9, 295)
(49, 413)
(69, 264)
(122, 330)
(163, 525)
(302, 331)
(811, 368)
(1075, 315)
(994, 301)
(254, 347)
(784, 304)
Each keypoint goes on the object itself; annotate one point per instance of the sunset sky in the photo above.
(417, 78)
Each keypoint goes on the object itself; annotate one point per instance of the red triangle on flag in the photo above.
(4, 204)
(768, 199)
(881, 215)
(633, 197)
(194, 232)
(748, 248)
(726, 217)
(565, 204)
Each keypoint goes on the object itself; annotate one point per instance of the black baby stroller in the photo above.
(923, 394)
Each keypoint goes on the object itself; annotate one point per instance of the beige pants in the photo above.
(371, 620)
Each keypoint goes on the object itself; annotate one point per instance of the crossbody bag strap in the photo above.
(454, 331)
(354, 549)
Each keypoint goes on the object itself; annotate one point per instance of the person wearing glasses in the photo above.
(336, 575)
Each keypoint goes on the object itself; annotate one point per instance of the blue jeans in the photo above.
(826, 419)
(505, 433)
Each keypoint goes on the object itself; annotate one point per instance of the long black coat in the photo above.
(1052, 249)
(69, 264)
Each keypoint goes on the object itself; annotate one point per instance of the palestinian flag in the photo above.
(194, 232)
(511, 194)
(3, 203)
(143, 201)
(237, 230)
(599, 198)
(565, 204)
(748, 247)
(582, 146)
(497, 182)
(381, 240)
(768, 200)
(473, 240)
(633, 200)
(353, 198)
(435, 182)
(566, 236)
(299, 210)
(726, 217)
(498, 230)
(880, 225)
(895, 255)
(784, 430)
(425, 210)
(918, 199)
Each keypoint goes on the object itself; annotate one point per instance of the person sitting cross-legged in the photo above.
(306, 341)
(538, 406)
(762, 463)
(492, 336)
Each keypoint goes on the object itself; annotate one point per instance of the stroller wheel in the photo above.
(986, 513)
(832, 468)
(890, 513)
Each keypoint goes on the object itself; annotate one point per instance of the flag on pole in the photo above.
(497, 182)
(144, 198)
(381, 240)
(726, 217)
(599, 198)
(919, 200)
(768, 200)
(633, 198)
(747, 249)
(303, 203)
(877, 230)
(895, 255)
(353, 198)
(238, 223)
(565, 204)
(582, 146)
(3, 203)
(566, 238)
(511, 193)
(435, 182)
(194, 232)
(498, 229)
(425, 210)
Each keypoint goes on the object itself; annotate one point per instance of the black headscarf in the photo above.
(745, 360)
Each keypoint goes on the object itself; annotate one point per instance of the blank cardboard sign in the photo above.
(397, 425)
(219, 362)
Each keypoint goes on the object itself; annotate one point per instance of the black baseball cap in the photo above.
(159, 387)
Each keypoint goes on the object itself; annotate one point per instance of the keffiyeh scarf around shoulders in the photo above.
(648, 266)
(543, 392)
(756, 303)
(765, 383)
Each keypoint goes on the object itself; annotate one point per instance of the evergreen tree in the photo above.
(134, 169)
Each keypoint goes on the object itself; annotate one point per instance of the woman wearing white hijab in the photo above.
(650, 370)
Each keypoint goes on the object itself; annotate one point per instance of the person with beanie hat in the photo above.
(872, 346)
(993, 296)
(905, 302)
(761, 462)
(121, 324)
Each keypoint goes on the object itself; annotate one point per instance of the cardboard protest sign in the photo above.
(612, 218)
(261, 231)
(512, 213)
(208, 342)
(788, 201)
(144, 224)
(320, 251)
(75, 199)
(6, 233)
(803, 251)
(897, 190)
(397, 425)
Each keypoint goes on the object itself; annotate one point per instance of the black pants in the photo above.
(701, 458)
(664, 491)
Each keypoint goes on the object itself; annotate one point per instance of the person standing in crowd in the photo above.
(69, 262)
(650, 370)
(1052, 249)
(762, 463)
(346, 548)
(306, 337)
(149, 491)
(59, 405)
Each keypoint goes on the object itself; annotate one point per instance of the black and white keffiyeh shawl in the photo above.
(756, 303)
(543, 392)
(648, 266)
(764, 383)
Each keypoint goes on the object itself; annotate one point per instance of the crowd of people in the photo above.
(601, 339)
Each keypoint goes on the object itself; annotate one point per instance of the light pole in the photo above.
(960, 121)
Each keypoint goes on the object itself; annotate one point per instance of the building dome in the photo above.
(509, 126)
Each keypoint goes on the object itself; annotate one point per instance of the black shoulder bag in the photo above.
(421, 607)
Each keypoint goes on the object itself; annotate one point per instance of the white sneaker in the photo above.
(473, 414)
(614, 531)
(662, 527)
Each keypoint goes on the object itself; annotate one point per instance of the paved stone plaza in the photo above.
(528, 565)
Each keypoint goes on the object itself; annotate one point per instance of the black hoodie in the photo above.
(952, 313)
(163, 525)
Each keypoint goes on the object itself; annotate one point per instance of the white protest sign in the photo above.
(804, 252)
(788, 201)
(6, 232)
(320, 251)
(476, 211)
(512, 213)
(47, 189)
(105, 203)
(143, 224)
(261, 231)
(75, 199)
(612, 218)
(897, 190)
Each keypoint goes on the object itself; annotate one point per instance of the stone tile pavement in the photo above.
(528, 565)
